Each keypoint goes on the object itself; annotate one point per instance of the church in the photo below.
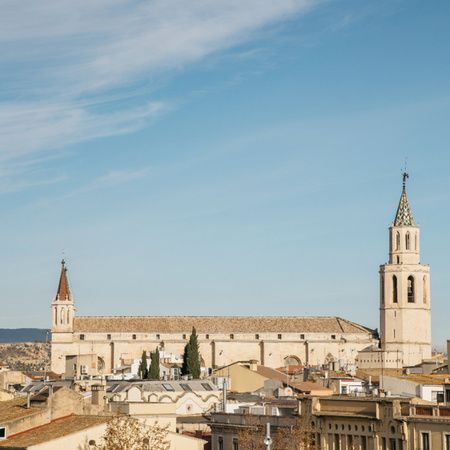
(108, 344)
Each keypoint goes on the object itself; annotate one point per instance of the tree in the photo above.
(128, 433)
(296, 436)
(143, 366)
(300, 436)
(184, 366)
(191, 357)
(153, 373)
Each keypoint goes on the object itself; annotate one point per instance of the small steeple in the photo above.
(404, 215)
(63, 292)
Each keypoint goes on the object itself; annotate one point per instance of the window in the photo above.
(392, 444)
(382, 289)
(185, 387)
(383, 444)
(350, 441)
(231, 336)
(256, 336)
(108, 336)
(425, 441)
(333, 336)
(394, 289)
(410, 289)
(81, 337)
(407, 240)
(134, 337)
(207, 387)
(397, 241)
(440, 398)
(220, 442)
(168, 387)
(158, 337)
(235, 444)
(2, 433)
(302, 336)
(447, 441)
(363, 442)
(337, 442)
(206, 336)
(184, 336)
(279, 336)
(425, 289)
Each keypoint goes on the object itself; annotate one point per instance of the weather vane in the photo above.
(405, 173)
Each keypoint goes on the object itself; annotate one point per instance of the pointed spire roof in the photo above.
(63, 292)
(404, 215)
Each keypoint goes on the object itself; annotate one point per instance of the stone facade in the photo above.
(405, 303)
(102, 345)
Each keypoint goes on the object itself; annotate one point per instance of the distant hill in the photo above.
(22, 335)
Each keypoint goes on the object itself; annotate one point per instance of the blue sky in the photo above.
(225, 157)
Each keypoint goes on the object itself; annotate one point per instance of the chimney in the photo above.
(99, 395)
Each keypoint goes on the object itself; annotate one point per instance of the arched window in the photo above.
(425, 289)
(382, 289)
(394, 289)
(407, 240)
(397, 241)
(56, 316)
(410, 289)
(63, 316)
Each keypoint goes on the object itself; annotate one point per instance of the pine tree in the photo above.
(193, 355)
(153, 373)
(143, 370)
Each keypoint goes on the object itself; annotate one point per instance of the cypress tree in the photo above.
(153, 373)
(193, 355)
(143, 371)
(184, 366)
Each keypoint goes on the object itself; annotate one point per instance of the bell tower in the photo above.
(405, 311)
(63, 308)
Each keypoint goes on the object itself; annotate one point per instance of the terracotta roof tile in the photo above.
(15, 409)
(216, 324)
(53, 430)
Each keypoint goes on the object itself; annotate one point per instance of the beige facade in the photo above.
(103, 345)
(377, 424)
(405, 300)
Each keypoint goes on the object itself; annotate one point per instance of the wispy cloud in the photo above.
(68, 67)
(115, 178)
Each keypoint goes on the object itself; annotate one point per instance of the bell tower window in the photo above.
(394, 289)
(407, 240)
(397, 241)
(411, 289)
(425, 289)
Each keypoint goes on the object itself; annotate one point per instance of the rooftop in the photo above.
(216, 324)
(53, 430)
(15, 409)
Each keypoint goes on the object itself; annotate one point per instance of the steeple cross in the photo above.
(405, 177)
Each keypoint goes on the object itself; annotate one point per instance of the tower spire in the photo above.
(63, 292)
(404, 216)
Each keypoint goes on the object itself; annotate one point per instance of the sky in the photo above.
(235, 157)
